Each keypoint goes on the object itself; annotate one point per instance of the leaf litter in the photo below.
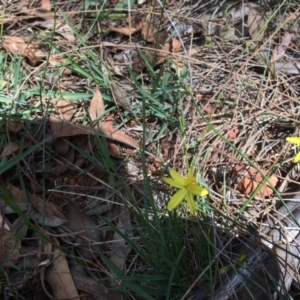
(59, 167)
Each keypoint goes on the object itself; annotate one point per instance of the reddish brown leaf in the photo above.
(176, 45)
(251, 180)
(96, 108)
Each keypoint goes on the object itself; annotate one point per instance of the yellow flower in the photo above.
(294, 140)
(188, 187)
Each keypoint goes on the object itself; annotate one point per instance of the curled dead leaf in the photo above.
(19, 46)
(251, 179)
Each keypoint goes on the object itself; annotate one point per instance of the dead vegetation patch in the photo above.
(99, 98)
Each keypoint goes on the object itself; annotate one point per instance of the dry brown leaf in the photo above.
(117, 136)
(59, 277)
(66, 109)
(10, 246)
(61, 128)
(39, 12)
(18, 46)
(47, 214)
(232, 134)
(85, 143)
(20, 226)
(150, 34)
(89, 234)
(61, 147)
(46, 5)
(18, 197)
(154, 57)
(119, 96)
(288, 67)
(125, 30)
(46, 220)
(256, 22)
(9, 149)
(251, 180)
(45, 207)
(176, 45)
(58, 61)
(279, 50)
(14, 126)
(59, 26)
(162, 55)
(96, 108)
(138, 63)
(148, 31)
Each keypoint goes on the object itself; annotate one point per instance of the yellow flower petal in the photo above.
(297, 158)
(176, 199)
(191, 202)
(200, 191)
(172, 182)
(177, 177)
(293, 140)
